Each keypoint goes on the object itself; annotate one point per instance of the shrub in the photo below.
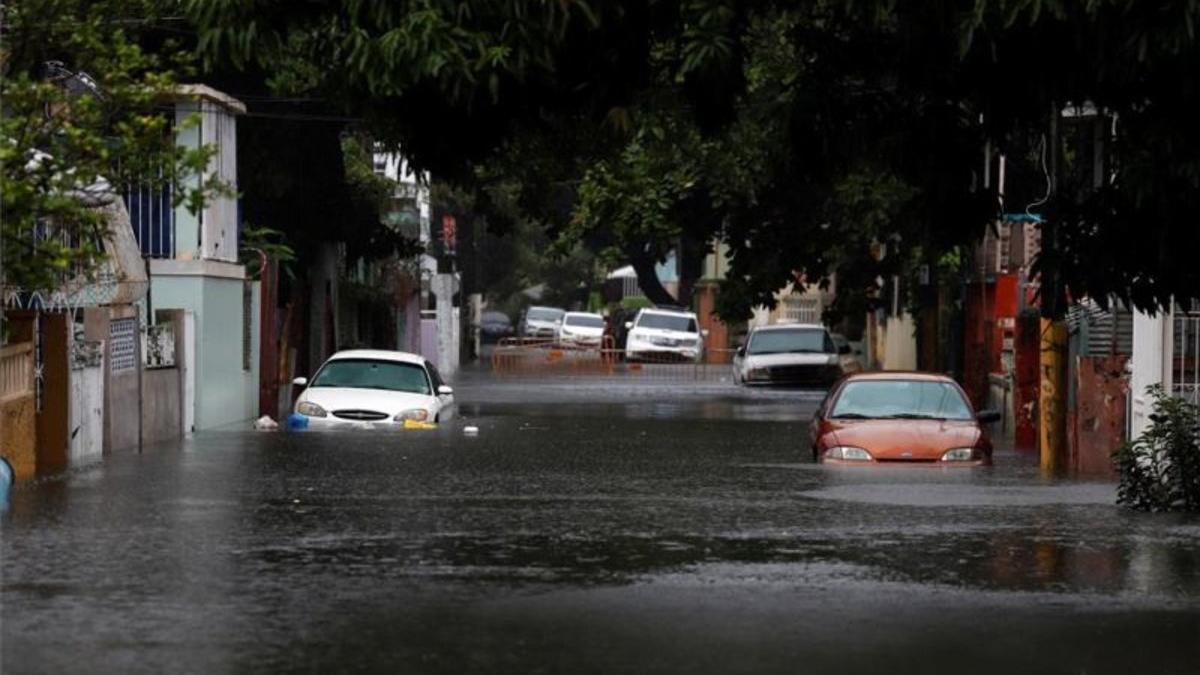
(1160, 470)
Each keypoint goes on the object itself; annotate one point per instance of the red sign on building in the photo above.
(449, 233)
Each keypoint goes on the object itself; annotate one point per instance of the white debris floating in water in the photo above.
(471, 431)
(265, 423)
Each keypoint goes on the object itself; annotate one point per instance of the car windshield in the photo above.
(371, 374)
(544, 314)
(676, 322)
(792, 341)
(584, 321)
(901, 399)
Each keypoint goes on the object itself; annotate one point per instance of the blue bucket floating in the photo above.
(6, 481)
(297, 422)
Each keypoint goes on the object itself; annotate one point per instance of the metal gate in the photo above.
(1185, 361)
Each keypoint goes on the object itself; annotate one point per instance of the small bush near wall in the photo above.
(1160, 470)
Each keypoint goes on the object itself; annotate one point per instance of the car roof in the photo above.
(553, 309)
(584, 314)
(792, 326)
(379, 355)
(899, 375)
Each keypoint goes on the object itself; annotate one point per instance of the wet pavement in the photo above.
(589, 527)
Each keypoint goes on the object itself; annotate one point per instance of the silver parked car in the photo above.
(788, 354)
(540, 322)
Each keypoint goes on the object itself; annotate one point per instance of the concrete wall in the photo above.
(225, 393)
(18, 435)
(900, 344)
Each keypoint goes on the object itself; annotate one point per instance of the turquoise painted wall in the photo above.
(225, 393)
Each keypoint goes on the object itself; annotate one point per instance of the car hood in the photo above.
(349, 398)
(905, 439)
(585, 331)
(643, 333)
(798, 359)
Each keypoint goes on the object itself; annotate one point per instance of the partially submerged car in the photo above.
(660, 334)
(900, 418)
(373, 389)
(799, 355)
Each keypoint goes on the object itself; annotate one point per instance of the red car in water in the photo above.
(900, 418)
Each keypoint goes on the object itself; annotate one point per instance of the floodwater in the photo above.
(589, 527)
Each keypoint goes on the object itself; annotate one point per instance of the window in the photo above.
(798, 341)
(675, 322)
(544, 314)
(584, 321)
(373, 374)
(919, 399)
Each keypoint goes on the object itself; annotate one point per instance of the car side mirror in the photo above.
(300, 382)
(703, 332)
(445, 390)
(844, 349)
(628, 325)
(741, 351)
(987, 416)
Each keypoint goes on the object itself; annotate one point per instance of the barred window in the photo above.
(247, 317)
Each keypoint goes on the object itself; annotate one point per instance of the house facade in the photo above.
(194, 267)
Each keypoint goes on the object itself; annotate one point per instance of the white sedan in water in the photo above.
(372, 388)
(581, 329)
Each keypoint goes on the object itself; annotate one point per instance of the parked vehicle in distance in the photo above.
(798, 355)
(373, 388)
(540, 322)
(904, 418)
(581, 329)
(494, 326)
(658, 334)
(852, 361)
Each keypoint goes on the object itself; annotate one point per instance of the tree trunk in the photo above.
(691, 267)
(644, 265)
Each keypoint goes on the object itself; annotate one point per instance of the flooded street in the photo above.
(589, 527)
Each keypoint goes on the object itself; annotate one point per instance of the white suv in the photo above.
(664, 335)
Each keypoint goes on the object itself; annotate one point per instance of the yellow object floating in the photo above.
(413, 424)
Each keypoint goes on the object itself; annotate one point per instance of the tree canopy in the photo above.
(798, 134)
(81, 110)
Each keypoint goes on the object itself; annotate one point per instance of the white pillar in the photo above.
(1150, 365)
(443, 290)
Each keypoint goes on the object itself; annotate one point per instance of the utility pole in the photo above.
(1052, 394)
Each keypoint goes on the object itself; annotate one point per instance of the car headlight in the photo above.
(961, 455)
(415, 414)
(757, 374)
(309, 409)
(848, 453)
